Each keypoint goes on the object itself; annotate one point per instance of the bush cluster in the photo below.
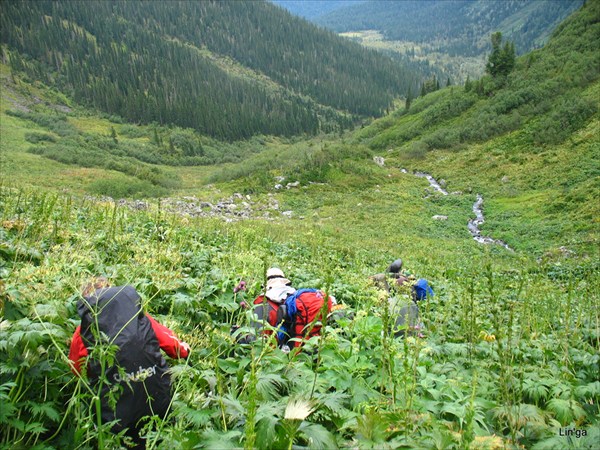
(130, 188)
(55, 122)
(36, 138)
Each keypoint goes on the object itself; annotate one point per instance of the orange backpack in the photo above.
(305, 312)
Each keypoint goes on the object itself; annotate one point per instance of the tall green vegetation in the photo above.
(227, 69)
(508, 355)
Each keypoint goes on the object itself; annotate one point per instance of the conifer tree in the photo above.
(408, 100)
(502, 59)
(113, 135)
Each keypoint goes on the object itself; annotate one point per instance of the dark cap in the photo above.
(395, 267)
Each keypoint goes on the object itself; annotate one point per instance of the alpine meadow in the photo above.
(202, 155)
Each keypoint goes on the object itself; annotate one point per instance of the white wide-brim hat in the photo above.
(276, 277)
(274, 272)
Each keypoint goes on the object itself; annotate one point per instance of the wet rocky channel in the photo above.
(432, 182)
(473, 224)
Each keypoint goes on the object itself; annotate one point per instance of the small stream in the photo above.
(473, 224)
(432, 181)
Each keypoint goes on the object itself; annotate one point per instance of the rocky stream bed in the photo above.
(243, 207)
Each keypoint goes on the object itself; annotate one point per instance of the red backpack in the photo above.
(305, 309)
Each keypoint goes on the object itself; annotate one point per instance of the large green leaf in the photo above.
(317, 436)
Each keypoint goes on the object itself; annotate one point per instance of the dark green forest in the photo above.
(187, 63)
(457, 27)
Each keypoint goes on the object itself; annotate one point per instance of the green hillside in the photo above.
(537, 128)
(509, 349)
(230, 70)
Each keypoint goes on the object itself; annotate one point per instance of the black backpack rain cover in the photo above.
(140, 368)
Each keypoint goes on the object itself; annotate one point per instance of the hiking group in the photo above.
(118, 346)
(297, 315)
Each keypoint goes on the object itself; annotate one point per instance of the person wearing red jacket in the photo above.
(293, 313)
(113, 316)
(167, 341)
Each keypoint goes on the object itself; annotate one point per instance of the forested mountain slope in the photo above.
(227, 69)
(459, 27)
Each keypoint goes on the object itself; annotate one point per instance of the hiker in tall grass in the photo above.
(118, 347)
(294, 315)
(268, 316)
(306, 311)
(393, 272)
(420, 288)
(404, 292)
(269, 305)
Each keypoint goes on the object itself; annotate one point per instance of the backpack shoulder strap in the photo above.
(291, 302)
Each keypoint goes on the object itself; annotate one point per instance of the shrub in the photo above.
(133, 131)
(187, 142)
(417, 150)
(36, 138)
(112, 118)
(314, 168)
(450, 107)
(442, 138)
(258, 182)
(396, 135)
(89, 152)
(570, 115)
(130, 188)
(54, 122)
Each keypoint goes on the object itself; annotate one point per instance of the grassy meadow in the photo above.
(507, 357)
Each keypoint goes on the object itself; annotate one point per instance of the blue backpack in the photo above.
(422, 290)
